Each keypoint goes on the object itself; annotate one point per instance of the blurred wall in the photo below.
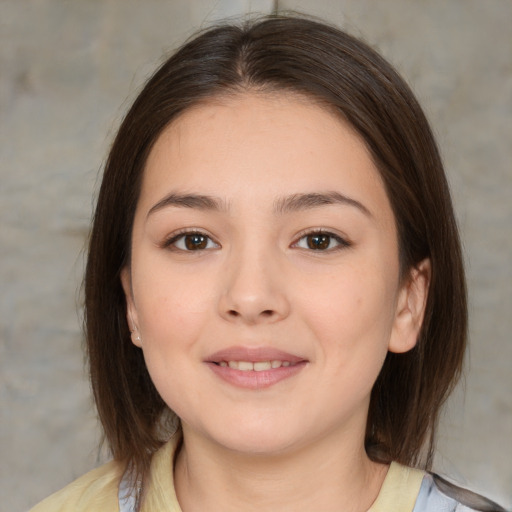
(68, 71)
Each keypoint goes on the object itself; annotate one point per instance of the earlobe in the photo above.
(131, 312)
(411, 304)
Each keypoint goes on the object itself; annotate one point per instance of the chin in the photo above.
(255, 440)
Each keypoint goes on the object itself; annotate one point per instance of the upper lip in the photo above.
(253, 354)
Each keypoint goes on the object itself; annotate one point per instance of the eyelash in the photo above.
(342, 243)
(170, 243)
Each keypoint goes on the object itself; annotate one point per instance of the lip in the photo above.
(253, 354)
(254, 379)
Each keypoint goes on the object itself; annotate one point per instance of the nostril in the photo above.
(266, 313)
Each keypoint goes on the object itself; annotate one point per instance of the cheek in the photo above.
(171, 305)
(351, 312)
(173, 312)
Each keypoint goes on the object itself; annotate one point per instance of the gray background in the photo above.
(68, 70)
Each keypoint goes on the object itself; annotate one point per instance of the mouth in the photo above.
(255, 368)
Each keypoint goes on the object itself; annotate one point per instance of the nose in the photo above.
(254, 289)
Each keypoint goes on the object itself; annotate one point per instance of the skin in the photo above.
(298, 444)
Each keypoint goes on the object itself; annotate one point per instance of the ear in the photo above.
(131, 311)
(410, 309)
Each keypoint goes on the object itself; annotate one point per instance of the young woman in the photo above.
(275, 297)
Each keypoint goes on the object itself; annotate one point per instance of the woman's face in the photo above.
(264, 278)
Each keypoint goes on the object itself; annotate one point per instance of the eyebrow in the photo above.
(283, 205)
(195, 201)
(299, 202)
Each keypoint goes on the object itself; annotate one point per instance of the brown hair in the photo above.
(329, 66)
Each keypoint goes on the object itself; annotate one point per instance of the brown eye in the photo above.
(191, 242)
(321, 241)
(195, 241)
(318, 242)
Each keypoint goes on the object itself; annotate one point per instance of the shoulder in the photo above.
(411, 490)
(438, 494)
(95, 491)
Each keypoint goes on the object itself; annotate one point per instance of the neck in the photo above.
(328, 477)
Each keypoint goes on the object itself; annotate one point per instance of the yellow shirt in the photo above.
(98, 490)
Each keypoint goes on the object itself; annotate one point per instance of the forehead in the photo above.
(254, 146)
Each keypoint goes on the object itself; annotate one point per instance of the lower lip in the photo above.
(256, 380)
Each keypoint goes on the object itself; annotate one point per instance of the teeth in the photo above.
(262, 365)
(258, 366)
